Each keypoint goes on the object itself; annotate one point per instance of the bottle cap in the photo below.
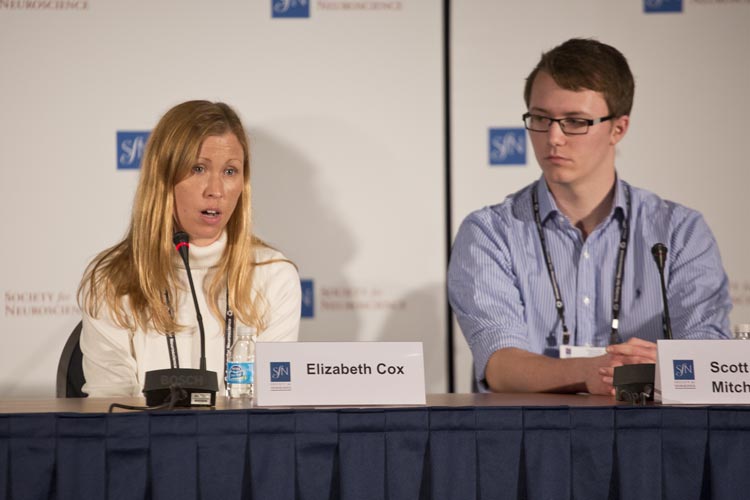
(244, 330)
(742, 331)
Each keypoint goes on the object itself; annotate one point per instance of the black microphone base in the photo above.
(198, 387)
(634, 383)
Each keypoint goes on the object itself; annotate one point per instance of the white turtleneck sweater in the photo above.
(115, 360)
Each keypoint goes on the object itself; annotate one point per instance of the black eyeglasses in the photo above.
(569, 126)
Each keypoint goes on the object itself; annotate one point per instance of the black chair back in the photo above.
(70, 377)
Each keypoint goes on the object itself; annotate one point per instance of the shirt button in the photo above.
(586, 300)
(585, 254)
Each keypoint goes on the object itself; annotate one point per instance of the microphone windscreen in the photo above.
(659, 251)
(181, 244)
(180, 238)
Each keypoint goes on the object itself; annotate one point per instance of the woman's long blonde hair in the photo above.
(140, 267)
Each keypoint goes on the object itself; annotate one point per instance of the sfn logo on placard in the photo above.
(652, 6)
(507, 146)
(281, 371)
(290, 8)
(683, 369)
(130, 147)
(308, 298)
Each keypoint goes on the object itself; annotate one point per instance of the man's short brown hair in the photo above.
(588, 64)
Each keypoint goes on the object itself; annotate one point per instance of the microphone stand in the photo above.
(635, 383)
(182, 247)
(183, 386)
(659, 251)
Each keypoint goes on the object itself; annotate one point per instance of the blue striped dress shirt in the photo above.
(500, 290)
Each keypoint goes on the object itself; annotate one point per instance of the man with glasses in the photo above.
(557, 285)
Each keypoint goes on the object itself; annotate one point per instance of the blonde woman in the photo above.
(138, 313)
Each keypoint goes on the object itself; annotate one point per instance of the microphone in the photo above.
(635, 383)
(659, 251)
(194, 387)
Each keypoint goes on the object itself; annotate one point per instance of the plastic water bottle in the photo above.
(241, 364)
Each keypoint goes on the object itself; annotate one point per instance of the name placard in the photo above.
(702, 372)
(339, 373)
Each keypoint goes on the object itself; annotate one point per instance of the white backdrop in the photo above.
(345, 112)
(687, 138)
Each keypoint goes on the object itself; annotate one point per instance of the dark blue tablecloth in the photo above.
(385, 454)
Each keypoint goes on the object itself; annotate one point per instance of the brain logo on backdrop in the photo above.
(652, 6)
(130, 147)
(290, 8)
(507, 146)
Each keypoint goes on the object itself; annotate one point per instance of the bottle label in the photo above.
(240, 372)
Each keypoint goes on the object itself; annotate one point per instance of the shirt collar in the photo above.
(620, 206)
(548, 207)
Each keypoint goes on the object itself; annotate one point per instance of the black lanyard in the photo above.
(228, 336)
(614, 337)
(174, 359)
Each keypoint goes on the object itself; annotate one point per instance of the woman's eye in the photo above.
(230, 171)
(198, 169)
